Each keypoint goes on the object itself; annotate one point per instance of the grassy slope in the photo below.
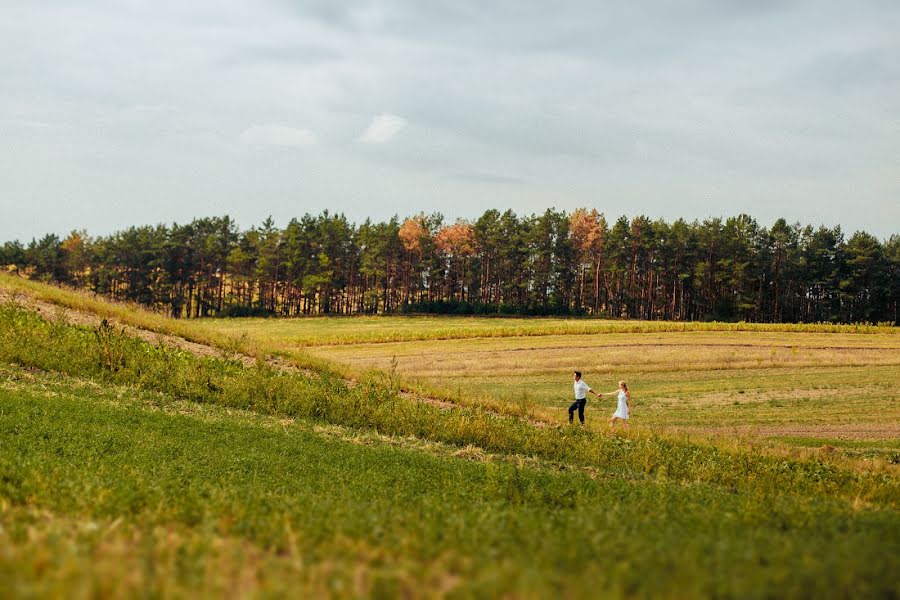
(766, 389)
(374, 403)
(124, 313)
(663, 516)
(189, 498)
(709, 378)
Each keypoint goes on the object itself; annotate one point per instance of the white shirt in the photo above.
(581, 389)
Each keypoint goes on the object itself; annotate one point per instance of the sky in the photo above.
(125, 113)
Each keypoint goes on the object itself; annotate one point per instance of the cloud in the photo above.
(278, 135)
(774, 108)
(33, 124)
(488, 178)
(382, 129)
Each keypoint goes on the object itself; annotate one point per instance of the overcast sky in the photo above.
(121, 113)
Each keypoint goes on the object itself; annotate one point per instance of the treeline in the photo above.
(502, 263)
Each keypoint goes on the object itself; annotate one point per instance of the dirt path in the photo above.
(75, 317)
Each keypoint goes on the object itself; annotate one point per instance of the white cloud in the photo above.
(278, 135)
(382, 128)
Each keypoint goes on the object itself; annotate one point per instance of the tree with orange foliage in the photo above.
(587, 230)
(457, 244)
(457, 240)
(412, 234)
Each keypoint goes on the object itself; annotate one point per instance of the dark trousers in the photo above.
(579, 404)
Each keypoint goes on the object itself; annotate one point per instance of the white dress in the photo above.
(622, 409)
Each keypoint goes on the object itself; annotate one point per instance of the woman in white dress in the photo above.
(623, 410)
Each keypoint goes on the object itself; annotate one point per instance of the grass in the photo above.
(776, 385)
(753, 380)
(335, 331)
(136, 468)
(109, 355)
(109, 490)
(766, 384)
(124, 313)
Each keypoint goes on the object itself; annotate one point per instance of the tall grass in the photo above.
(109, 355)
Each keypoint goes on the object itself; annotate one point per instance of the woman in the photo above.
(623, 410)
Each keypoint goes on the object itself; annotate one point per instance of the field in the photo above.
(798, 385)
(143, 467)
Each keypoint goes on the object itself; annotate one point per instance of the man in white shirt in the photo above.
(581, 392)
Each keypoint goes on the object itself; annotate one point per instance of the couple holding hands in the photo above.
(623, 410)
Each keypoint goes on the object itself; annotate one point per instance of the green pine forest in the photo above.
(554, 263)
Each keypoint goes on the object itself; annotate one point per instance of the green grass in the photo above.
(111, 356)
(95, 478)
(132, 468)
(124, 313)
(750, 380)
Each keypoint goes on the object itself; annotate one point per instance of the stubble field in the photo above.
(798, 385)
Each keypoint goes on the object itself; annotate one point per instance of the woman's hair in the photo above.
(623, 385)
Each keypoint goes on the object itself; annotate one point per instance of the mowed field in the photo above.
(829, 385)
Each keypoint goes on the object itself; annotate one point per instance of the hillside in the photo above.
(134, 462)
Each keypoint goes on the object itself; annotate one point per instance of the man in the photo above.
(581, 392)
